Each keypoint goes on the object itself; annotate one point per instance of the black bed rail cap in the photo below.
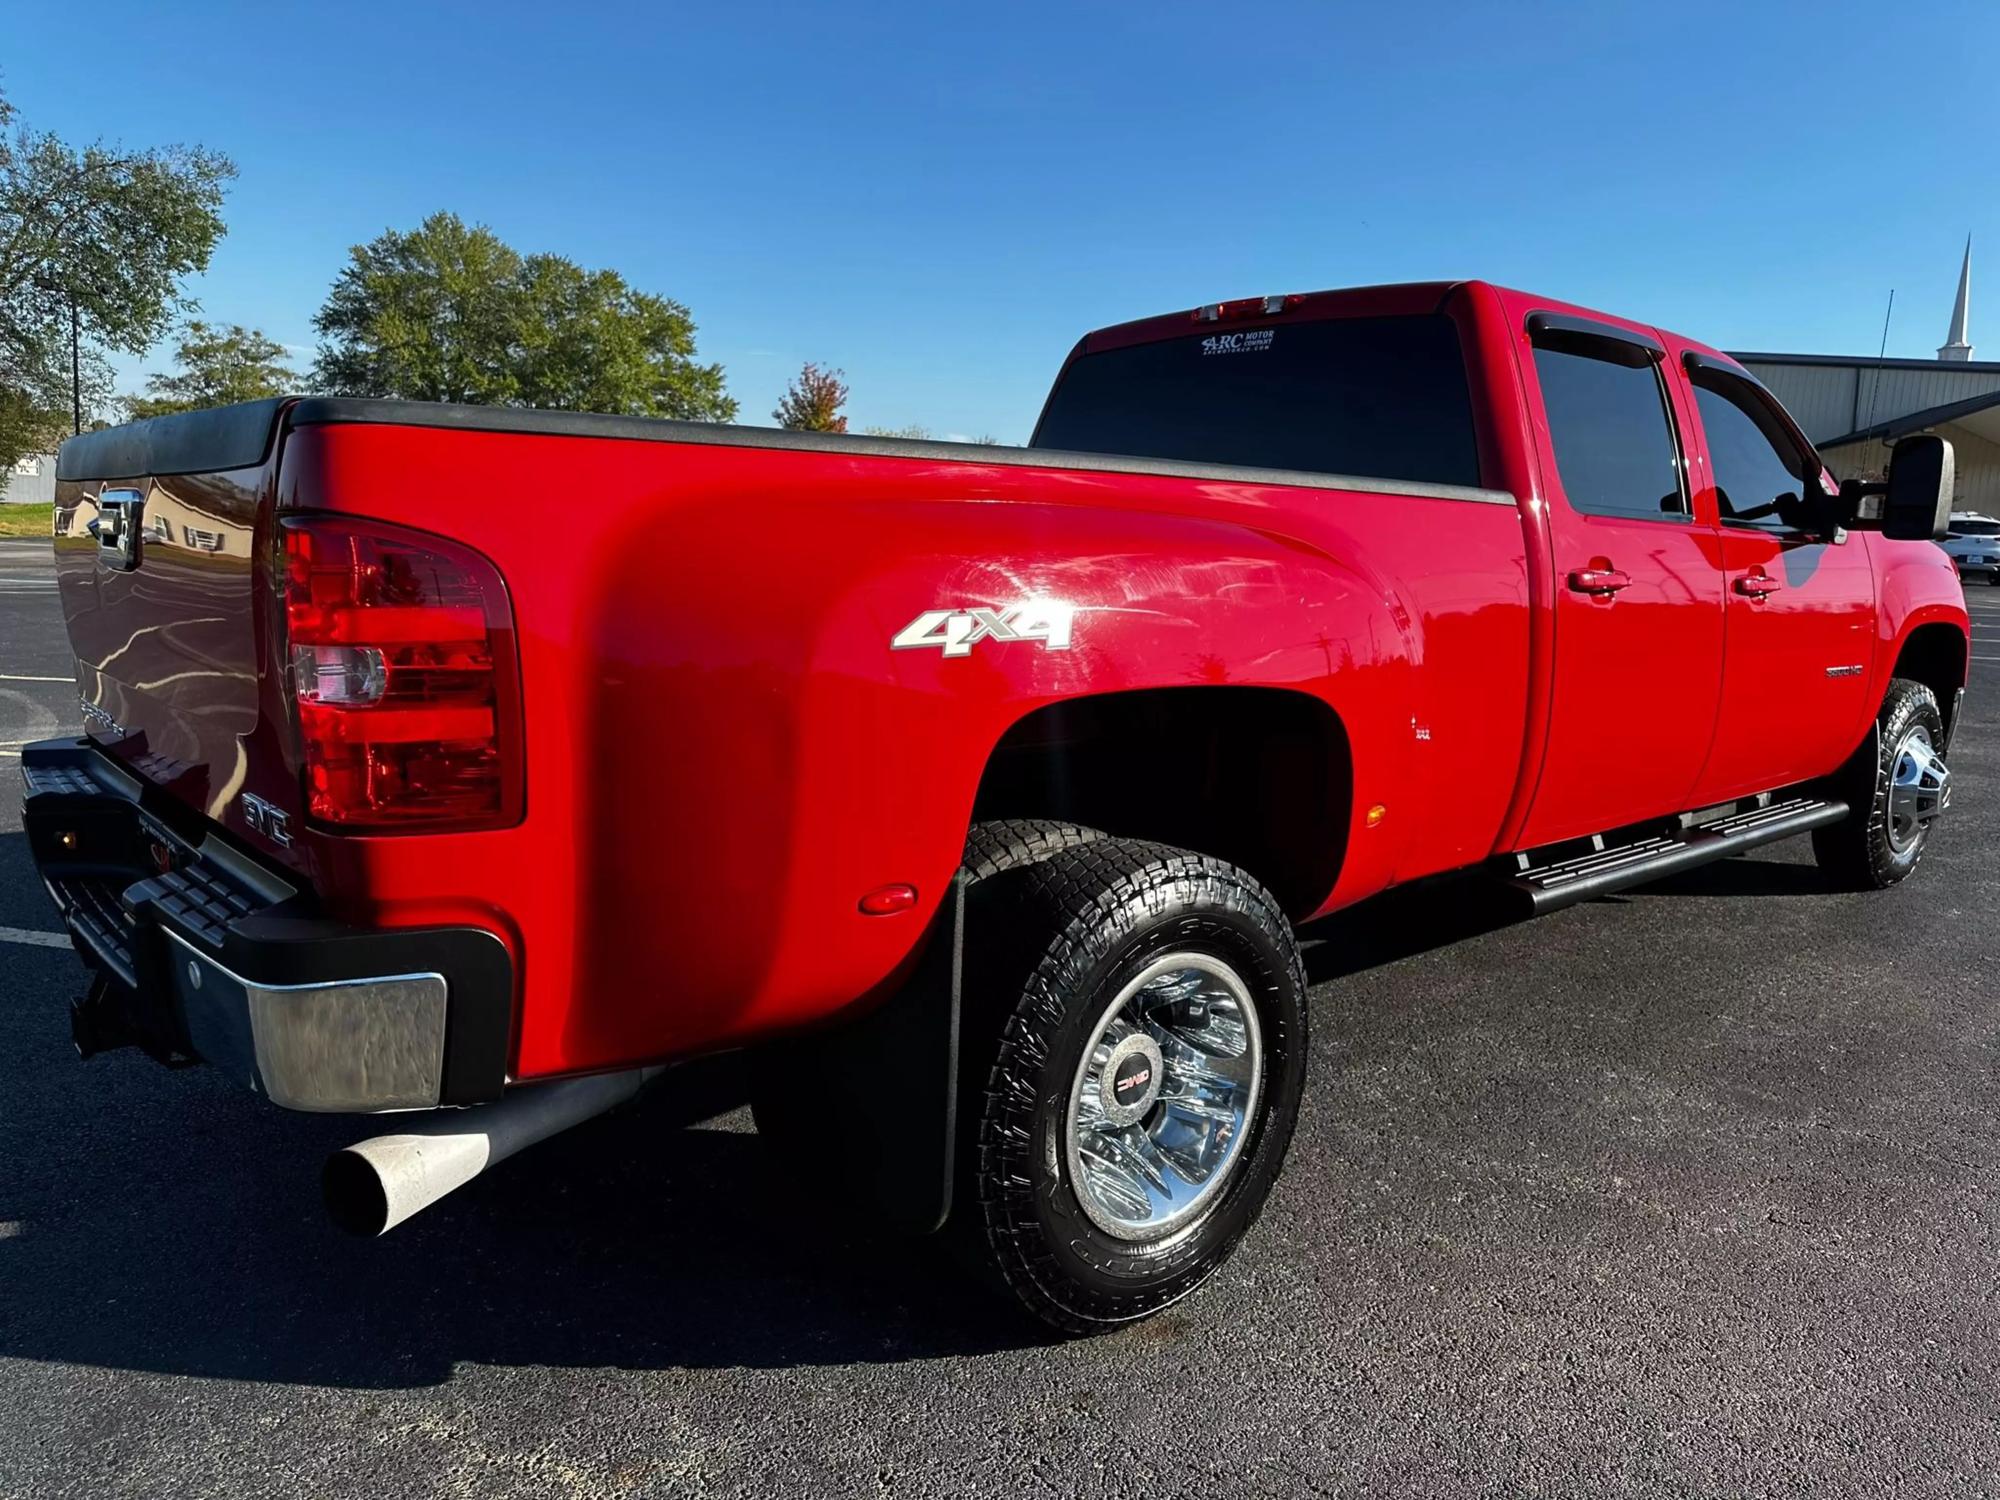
(316, 411)
(236, 437)
(190, 442)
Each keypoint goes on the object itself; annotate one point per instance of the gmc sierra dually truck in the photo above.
(481, 762)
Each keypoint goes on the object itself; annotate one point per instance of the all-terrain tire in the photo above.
(1858, 852)
(1056, 929)
(1010, 843)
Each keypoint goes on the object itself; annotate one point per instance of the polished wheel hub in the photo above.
(1165, 1094)
(1919, 789)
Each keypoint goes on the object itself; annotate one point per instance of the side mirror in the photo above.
(1916, 505)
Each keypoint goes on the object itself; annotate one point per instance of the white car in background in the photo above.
(1974, 544)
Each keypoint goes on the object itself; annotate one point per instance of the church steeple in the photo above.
(1955, 346)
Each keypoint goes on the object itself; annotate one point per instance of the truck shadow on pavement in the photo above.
(1452, 909)
(173, 1226)
(165, 1221)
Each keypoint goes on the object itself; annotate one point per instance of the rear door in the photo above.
(1638, 601)
(1801, 607)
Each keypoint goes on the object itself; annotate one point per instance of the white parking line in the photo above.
(31, 939)
(24, 677)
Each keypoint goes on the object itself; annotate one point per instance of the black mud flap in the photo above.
(868, 1110)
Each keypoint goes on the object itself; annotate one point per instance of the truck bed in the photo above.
(722, 752)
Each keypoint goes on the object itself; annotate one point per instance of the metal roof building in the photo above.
(1854, 409)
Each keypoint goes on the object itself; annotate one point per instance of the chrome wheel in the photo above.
(1919, 789)
(1165, 1094)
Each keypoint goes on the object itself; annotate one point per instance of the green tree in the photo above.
(94, 246)
(812, 401)
(589, 342)
(28, 426)
(217, 366)
(447, 312)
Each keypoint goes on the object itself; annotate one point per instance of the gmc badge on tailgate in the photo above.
(274, 823)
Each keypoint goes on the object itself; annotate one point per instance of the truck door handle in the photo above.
(1756, 585)
(1599, 580)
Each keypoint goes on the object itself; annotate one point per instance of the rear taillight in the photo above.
(401, 655)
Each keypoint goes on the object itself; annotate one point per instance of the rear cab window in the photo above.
(1374, 397)
(1611, 424)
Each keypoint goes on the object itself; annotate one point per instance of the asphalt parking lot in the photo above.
(1689, 1191)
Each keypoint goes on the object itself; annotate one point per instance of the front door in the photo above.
(1801, 607)
(1638, 607)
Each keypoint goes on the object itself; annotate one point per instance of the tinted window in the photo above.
(1975, 528)
(1614, 447)
(1385, 398)
(1755, 464)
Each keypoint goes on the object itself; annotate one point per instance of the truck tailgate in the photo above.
(156, 570)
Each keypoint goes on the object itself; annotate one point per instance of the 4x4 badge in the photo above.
(959, 630)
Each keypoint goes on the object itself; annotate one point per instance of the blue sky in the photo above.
(940, 200)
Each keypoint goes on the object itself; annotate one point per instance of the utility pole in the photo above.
(75, 371)
(1875, 385)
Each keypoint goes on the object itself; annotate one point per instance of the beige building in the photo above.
(1854, 409)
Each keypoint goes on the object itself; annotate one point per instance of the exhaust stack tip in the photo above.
(373, 1185)
(355, 1198)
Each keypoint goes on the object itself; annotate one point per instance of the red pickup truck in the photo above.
(442, 756)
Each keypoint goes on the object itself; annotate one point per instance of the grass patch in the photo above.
(26, 520)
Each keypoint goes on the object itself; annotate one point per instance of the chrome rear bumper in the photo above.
(202, 953)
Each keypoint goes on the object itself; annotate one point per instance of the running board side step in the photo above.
(1717, 833)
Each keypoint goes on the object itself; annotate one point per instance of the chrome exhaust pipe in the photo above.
(374, 1185)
